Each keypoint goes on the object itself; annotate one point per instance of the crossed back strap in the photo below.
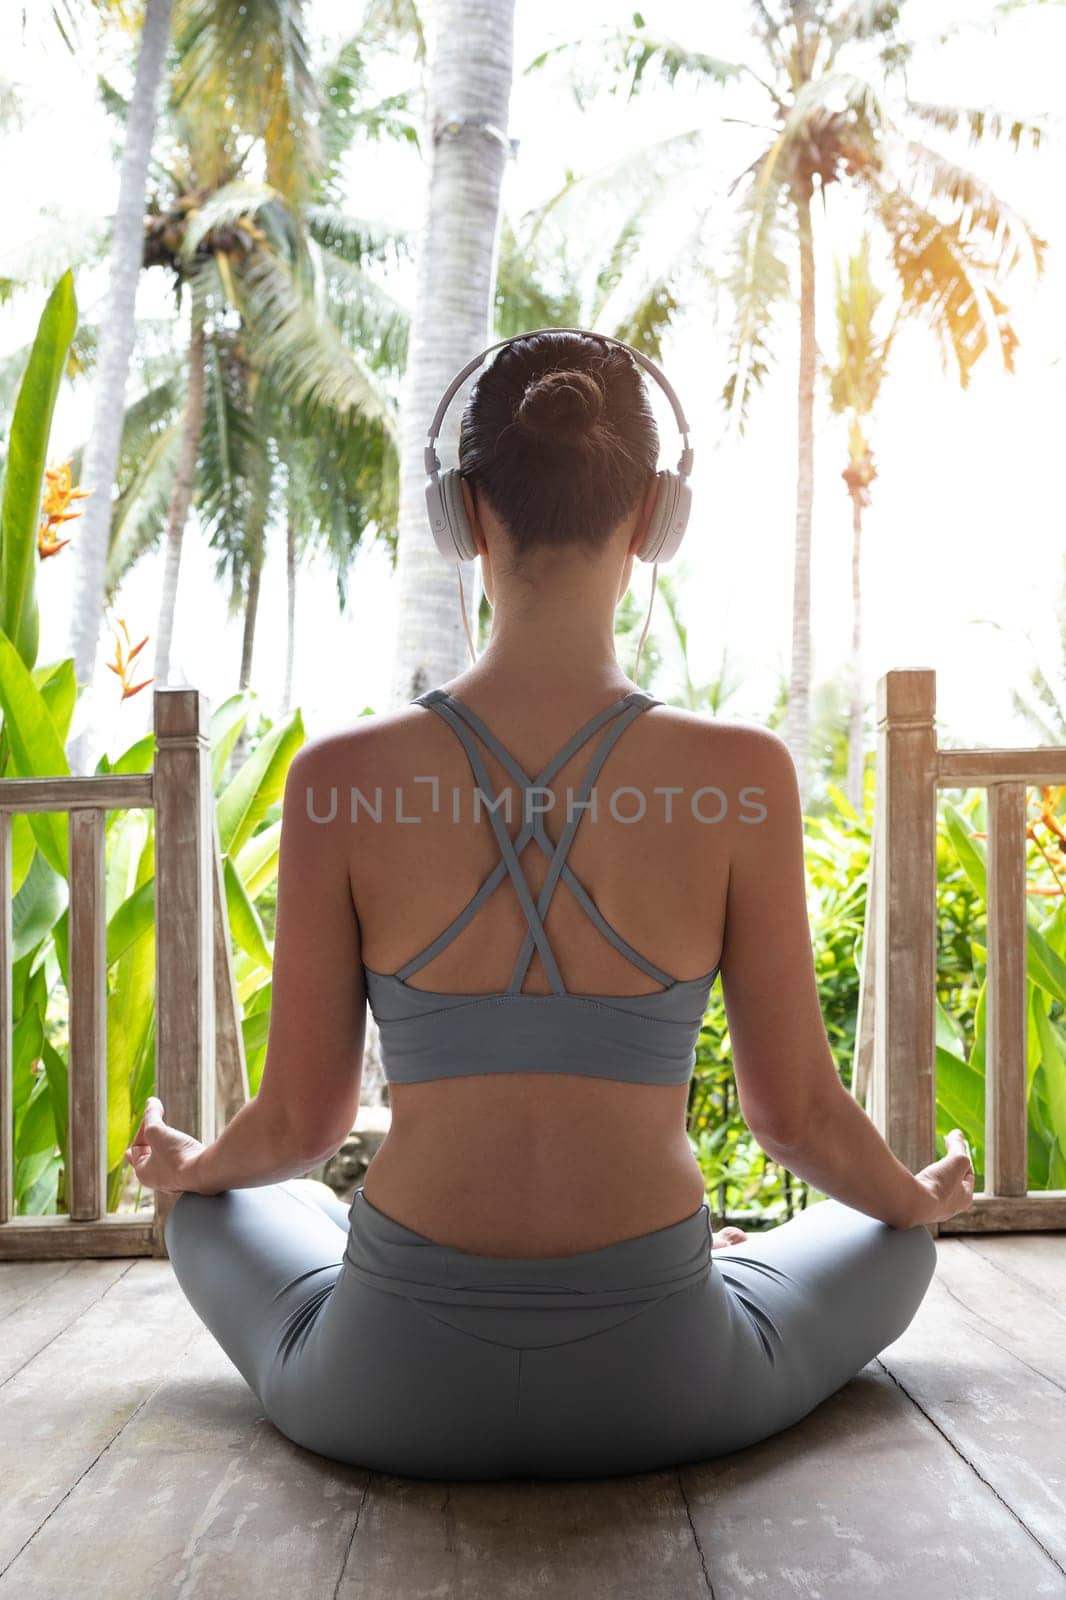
(464, 723)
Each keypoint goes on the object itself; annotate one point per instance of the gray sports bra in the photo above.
(645, 1038)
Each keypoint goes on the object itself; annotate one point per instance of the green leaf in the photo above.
(1053, 1061)
(1044, 965)
(131, 921)
(138, 758)
(226, 724)
(27, 451)
(36, 748)
(971, 852)
(58, 1087)
(260, 782)
(960, 1093)
(37, 1129)
(257, 861)
(59, 691)
(243, 918)
(37, 907)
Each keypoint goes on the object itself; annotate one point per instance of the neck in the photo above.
(558, 644)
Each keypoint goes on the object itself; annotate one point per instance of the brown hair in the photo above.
(559, 436)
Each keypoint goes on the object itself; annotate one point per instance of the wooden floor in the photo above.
(134, 1461)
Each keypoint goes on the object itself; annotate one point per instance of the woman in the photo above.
(527, 1284)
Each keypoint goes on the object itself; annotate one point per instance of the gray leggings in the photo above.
(373, 1345)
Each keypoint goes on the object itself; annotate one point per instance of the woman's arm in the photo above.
(309, 1095)
(252, 1150)
(789, 1089)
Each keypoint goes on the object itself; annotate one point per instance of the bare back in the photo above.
(533, 1164)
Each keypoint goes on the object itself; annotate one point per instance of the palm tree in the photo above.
(823, 70)
(308, 366)
(467, 93)
(854, 386)
(101, 457)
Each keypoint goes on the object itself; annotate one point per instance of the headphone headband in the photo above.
(432, 462)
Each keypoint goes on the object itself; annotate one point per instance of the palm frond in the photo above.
(862, 354)
(229, 207)
(758, 282)
(139, 518)
(395, 22)
(946, 280)
(302, 355)
(357, 240)
(983, 122)
(71, 239)
(348, 113)
(364, 313)
(1005, 233)
(259, 56)
(636, 172)
(629, 52)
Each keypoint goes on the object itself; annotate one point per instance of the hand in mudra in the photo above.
(161, 1156)
(727, 1236)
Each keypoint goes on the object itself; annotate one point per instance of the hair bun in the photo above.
(565, 404)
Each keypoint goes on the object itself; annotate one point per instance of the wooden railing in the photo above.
(895, 1047)
(200, 1071)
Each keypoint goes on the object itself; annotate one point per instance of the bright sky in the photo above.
(965, 537)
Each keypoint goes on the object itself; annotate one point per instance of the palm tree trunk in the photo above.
(469, 80)
(251, 609)
(290, 608)
(855, 750)
(116, 346)
(797, 726)
(181, 498)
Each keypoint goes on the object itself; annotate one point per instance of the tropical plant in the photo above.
(740, 1178)
(36, 705)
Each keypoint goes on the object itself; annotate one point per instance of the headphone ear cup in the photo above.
(447, 517)
(669, 519)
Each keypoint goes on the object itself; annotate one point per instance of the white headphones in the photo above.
(447, 512)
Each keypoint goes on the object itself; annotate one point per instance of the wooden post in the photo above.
(87, 1087)
(904, 1099)
(1006, 1111)
(184, 842)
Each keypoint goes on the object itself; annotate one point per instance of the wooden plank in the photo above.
(113, 792)
(1040, 1208)
(87, 1178)
(905, 942)
(1035, 1259)
(208, 1501)
(54, 1306)
(1006, 1090)
(184, 946)
(78, 1394)
(51, 1238)
(614, 1539)
(985, 1360)
(861, 1497)
(972, 769)
(21, 1280)
(7, 1153)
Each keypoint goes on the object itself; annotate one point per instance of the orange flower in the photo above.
(125, 654)
(56, 500)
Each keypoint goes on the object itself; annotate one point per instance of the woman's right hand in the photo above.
(948, 1183)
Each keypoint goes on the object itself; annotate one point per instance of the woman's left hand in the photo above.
(162, 1157)
(728, 1236)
